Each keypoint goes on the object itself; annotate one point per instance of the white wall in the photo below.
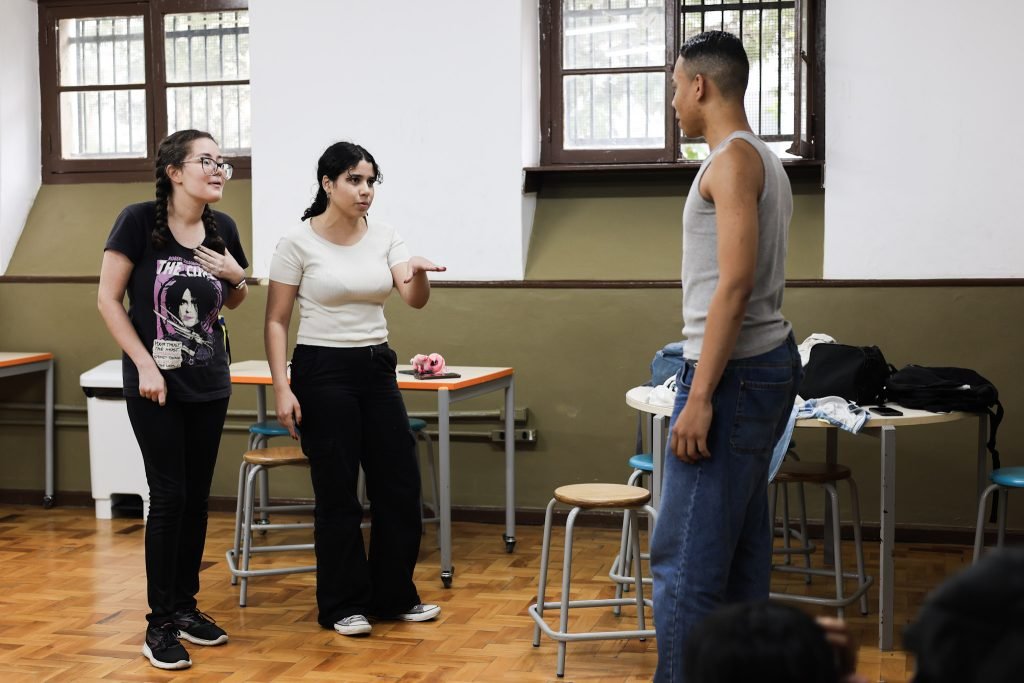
(20, 173)
(924, 139)
(436, 91)
(530, 104)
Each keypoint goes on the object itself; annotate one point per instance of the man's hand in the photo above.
(689, 438)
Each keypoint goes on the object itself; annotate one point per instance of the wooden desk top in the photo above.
(258, 372)
(11, 358)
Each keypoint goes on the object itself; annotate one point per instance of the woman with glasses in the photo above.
(341, 265)
(180, 262)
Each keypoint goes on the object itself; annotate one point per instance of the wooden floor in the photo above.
(73, 601)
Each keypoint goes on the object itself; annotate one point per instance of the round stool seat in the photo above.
(642, 461)
(811, 472)
(268, 428)
(602, 495)
(416, 424)
(276, 456)
(1008, 476)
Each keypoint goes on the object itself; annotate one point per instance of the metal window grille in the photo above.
(102, 82)
(768, 32)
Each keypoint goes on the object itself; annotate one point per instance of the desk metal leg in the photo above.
(48, 494)
(831, 458)
(982, 449)
(658, 458)
(887, 556)
(261, 403)
(444, 449)
(510, 467)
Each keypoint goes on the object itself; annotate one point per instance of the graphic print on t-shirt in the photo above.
(186, 300)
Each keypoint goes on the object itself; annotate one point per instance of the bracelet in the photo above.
(241, 284)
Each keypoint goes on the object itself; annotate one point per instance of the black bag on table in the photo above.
(943, 390)
(857, 373)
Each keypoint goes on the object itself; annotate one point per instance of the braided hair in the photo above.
(336, 159)
(172, 152)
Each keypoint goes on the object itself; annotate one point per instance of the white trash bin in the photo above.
(115, 461)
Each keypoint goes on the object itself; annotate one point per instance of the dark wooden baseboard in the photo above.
(905, 533)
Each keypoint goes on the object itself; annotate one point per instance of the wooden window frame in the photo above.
(811, 147)
(55, 168)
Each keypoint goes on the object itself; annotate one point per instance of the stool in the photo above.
(260, 434)
(643, 466)
(787, 533)
(1003, 480)
(827, 476)
(253, 463)
(589, 497)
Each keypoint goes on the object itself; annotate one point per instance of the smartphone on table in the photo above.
(886, 411)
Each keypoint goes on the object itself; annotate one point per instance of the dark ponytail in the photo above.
(319, 204)
(336, 159)
(173, 151)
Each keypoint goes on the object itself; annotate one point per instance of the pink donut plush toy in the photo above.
(428, 365)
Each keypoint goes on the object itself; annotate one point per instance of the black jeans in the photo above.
(179, 443)
(352, 415)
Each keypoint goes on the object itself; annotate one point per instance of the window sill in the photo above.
(75, 177)
(535, 177)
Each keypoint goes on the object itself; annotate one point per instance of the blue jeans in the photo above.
(712, 543)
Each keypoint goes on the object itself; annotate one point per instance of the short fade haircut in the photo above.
(720, 56)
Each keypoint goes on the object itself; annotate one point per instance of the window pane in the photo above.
(622, 111)
(221, 110)
(211, 46)
(103, 124)
(613, 33)
(768, 33)
(101, 51)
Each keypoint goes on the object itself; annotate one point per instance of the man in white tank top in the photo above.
(712, 544)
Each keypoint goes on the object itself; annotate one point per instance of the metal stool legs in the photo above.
(618, 571)
(863, 582)
(246, 510)
(1002, 498)
(562, 635)
(788, 534)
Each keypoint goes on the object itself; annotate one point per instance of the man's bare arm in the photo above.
(733, 183)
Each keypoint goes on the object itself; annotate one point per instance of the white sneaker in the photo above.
(664, 394)
(355, 625)
(421, 613)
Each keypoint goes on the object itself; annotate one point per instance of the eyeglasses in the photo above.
(210, 166)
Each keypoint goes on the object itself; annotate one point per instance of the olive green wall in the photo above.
(575, 351)
(68, 225)
(587, 230)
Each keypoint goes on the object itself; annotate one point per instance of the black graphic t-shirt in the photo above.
(174, 305)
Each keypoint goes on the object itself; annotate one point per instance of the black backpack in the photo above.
(857, 373)
(947, 389)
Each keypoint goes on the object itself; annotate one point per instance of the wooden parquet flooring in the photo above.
(73, 604)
